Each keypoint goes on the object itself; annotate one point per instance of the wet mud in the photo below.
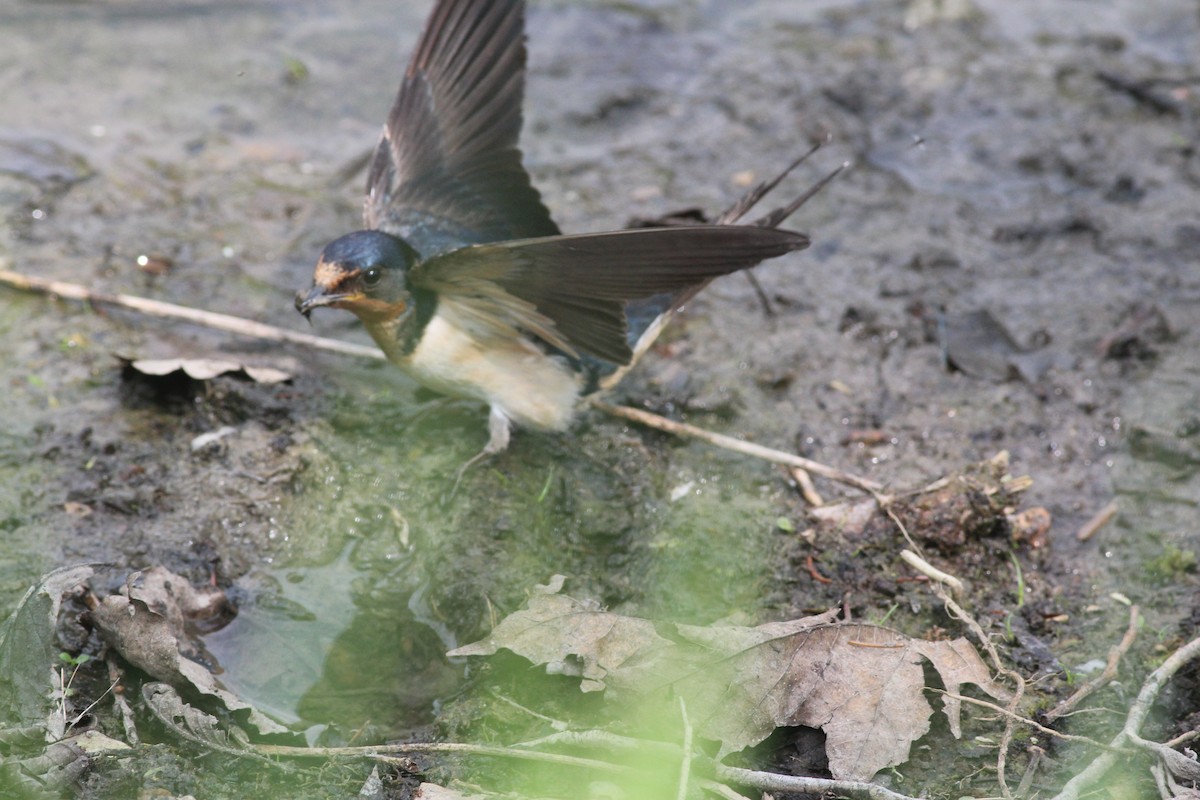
(1035, 162)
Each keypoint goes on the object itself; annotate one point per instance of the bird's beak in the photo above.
(318, 296)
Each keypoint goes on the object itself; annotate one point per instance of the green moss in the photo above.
(1172, 563)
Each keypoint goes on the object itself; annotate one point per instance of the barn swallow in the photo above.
(460, 275)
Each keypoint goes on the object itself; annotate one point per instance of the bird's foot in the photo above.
(499, 435)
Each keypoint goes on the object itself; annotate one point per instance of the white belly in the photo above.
(529, 387)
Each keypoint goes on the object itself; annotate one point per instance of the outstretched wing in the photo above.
(447, 171)
(570, 290)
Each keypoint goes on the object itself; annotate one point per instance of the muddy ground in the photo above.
(1037, 161)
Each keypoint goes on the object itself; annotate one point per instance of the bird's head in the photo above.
(364, 272)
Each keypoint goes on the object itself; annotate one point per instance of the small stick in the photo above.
(1035, 761)
(812, 570)
(1140, 92)
(1066, 737)
(209, 319)
(770, 782)
(1098, 521)
(1115, 654)
(763, 300)
(1182, 739)
(933, 573)
(960, 613)
(603, 740)
(383, 751)
(807, 489)
(738, 446)
(685, 763)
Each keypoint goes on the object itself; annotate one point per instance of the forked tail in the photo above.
(648, 317)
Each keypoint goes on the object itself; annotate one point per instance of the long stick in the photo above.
(209, 319)
(736, 445)
(1115, 654)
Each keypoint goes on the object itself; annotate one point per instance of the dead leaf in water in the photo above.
(978, 344)
(571, 637)
(862, 685)
(169, 707)
(146, 625)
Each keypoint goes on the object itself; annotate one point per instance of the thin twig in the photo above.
(1133, 722)
(556, 724)
(385, 751)
(771, 782)
(933, 573)
(546, 758)
(1115, 654)
(602, 739)
(1182, 739)
(121, 702)
(885, 504)
(1009, 723)
(1035, 761)
(810, 562)
(1098, 521)
(208, 319)
(807, 489)
(1160, 780)
(685, 763)
(1066, 737)
(763, 300)
(93, 704)
(737, 445)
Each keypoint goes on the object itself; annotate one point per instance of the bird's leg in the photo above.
(499, 434)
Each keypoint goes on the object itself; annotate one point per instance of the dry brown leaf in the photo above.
(145, 624)
(204, 369)
(174, 598)
(166, 704)
(862, 685)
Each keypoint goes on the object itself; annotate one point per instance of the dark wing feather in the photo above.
(570, 290)
(447, 170)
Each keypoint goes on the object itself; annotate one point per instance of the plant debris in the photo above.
(979, 345)
(146, 623)
(863, 685)
(27, 646)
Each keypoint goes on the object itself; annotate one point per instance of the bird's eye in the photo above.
(372, 277)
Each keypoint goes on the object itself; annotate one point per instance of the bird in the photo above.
(459, 273)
